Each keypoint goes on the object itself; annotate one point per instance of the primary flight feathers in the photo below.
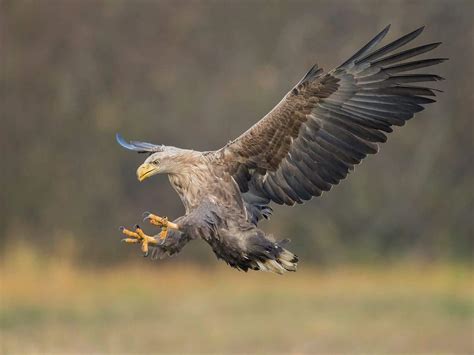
(329, 122)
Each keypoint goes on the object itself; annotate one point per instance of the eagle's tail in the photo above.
(277, 259)
(251, 249)
(285, 261)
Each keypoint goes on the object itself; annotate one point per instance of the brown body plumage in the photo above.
(309, 142)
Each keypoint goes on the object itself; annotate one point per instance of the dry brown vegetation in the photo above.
(56, 306)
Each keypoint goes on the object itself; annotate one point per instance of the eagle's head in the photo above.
(161, 160)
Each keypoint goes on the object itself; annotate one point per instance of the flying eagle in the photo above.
(311, 140)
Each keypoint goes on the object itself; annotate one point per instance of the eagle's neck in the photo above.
(188, 181)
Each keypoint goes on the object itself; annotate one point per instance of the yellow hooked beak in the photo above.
(145, 171)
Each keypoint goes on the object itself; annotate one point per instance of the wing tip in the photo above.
(120, 140)
(123, 143)
(384, 32)
(414, 34)
(136, 146)
(371, 44)
(419, 29)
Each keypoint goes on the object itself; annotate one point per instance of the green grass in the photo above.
(151, 308)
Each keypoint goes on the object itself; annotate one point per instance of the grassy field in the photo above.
(151, 308)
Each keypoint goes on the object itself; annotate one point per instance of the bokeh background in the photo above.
(386, 256)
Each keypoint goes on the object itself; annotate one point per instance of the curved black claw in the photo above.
(137, 226)
(121, 228)
(145, 254)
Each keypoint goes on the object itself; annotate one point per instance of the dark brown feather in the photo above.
(328, 123)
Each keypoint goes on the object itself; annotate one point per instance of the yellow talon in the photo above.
(163, 234)
(130, 240)
(161, 222)
(139, 237)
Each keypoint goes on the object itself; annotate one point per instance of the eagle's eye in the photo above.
(156, 162)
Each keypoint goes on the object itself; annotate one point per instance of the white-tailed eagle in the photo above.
(311, 140)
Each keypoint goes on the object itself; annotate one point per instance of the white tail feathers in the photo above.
(286, 261)
(288, 265)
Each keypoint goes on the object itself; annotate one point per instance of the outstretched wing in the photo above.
(329, 122)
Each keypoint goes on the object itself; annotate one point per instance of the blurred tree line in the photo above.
(196, 74)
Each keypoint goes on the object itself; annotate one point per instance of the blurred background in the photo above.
(386, 256)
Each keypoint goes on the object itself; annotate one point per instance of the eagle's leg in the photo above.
(161, 222)
(139, 237)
